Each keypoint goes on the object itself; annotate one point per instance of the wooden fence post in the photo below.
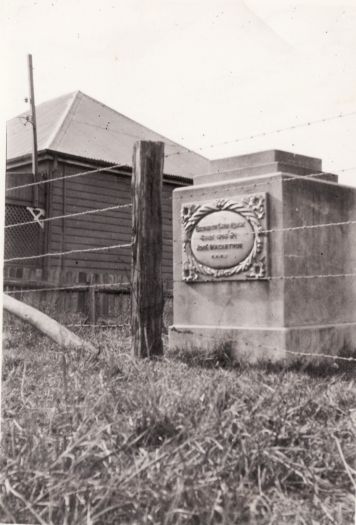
(91, 302)
(146, 272)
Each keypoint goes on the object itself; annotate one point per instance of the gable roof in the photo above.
(79, 125)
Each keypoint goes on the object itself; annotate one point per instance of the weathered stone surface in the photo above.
(260, 158)
(230, 302)
(258, 344)
(307, 303)
(264, 162)
(212, 243)
(225, 239)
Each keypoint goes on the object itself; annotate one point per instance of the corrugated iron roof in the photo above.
(77, 124)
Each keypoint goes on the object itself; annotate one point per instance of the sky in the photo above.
(201, 72)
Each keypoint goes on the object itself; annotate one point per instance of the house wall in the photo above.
(18, 176)
(63, 272)
(94, 191)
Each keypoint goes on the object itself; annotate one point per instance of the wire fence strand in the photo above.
(269, 179)
(189, 151)
(71, 215)
(306, 175)
(119, 206)
(318, 355)
(267, 133)
(123, 206)
(182, 151)
(100, 325)
(71, 288)
(127, 284)
(310, 354)
(69, 252)
(66, 177)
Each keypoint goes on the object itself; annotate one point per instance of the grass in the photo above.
(182, 440)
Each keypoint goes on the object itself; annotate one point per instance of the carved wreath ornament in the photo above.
(252, 208)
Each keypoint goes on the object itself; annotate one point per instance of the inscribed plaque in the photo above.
(225, 239)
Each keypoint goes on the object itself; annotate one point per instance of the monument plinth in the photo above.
(260, 267)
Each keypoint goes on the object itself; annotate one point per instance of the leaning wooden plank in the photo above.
(54, 330)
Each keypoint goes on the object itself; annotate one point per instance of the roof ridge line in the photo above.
(173, 142)
(62, 121)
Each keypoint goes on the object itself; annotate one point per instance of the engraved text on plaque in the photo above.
(225, 239)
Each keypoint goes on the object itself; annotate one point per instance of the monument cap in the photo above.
(262, 163)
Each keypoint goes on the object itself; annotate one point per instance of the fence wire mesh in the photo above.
(27, 241)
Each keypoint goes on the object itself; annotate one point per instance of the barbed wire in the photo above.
(109, 208)
(318, 355)
(79, 174)
(87, 325)
(276, 349)
(118, 284)
(219, 172)
(222, 143)
(69, 252)
(66, 177)
(116, 166)
(310, 354)
(296, 228)
(321, 355)
(225, 142)
(268, 180)
(122, 206)
(187, 150)
(309, 226)
(71, 287)
(108, 128)
(266, 133)
(100, 325)
(170, 144)
(69, 215)
(114, 207)
(316, 276)
(280, 277)
(306, 175)
(126, 286)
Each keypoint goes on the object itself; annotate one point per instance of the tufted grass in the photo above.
(183, 440)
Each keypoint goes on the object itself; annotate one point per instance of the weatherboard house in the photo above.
(79, 134)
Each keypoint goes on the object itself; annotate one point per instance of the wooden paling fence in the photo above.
(73, 294)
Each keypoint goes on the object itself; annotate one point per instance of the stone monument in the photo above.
(265, 259)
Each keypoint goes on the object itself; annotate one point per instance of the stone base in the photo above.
(260, 344)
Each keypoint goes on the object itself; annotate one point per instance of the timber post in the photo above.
(34, 132)
(91, 302)
(146, 269)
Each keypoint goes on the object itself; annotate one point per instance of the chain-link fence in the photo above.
(25, 241)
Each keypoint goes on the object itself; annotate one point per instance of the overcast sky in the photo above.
(200, 72)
